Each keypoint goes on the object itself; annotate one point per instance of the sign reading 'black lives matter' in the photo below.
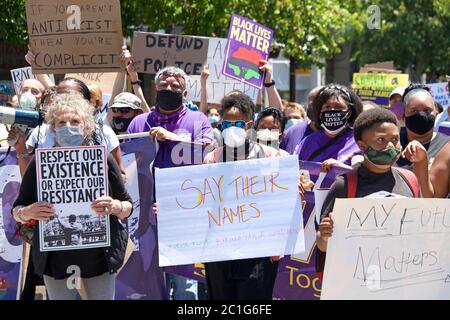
(75, 36)
(71, 179)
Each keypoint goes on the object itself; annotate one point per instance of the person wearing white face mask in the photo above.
(223, 277)
(71, 119)
(270, 126)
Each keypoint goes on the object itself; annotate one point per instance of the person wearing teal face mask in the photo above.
(377, 134)
(71, 118)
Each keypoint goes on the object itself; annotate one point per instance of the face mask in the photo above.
(69, 136)
(27, 101)
(383, 159)
(234, 137)
(213, 119)
(120, 125)
(169, 100)
(420, 122)
(398, 109)
(292, 122)
(334, 122)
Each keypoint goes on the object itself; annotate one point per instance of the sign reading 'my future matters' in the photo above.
(65, 36)
(228, 211)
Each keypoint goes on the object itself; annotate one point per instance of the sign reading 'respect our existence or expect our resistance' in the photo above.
(388, 248)
(248, 43)
(229, 211)
(67, 36)
(71, 179)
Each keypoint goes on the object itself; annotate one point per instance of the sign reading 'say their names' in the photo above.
(71, 179)
(65, 35)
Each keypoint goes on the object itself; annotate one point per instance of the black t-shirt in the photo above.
(368, 183)
(92, 262)
(433, 147)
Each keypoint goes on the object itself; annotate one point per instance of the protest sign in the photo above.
(71, 179)
(154, 51)
(86, 36)
(248, 43)
(389, 248)
(440, 93)
(218, 213)
(104, 80)
(19, 75)
(217, 85)
(377, 87)
(10, 245)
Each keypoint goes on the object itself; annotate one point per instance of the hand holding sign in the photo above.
(105, 205)
(42, 211)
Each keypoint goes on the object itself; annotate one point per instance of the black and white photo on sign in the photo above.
(71, 179)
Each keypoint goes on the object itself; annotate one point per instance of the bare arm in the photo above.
(43, 78)
(417, 154)
(203, 89)
(132, 73)
(272, 92)
(440, 173)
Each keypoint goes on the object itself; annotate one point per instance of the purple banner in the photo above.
(141, 278)
(10, 245)
(248, 43)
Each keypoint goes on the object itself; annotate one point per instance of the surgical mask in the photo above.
(292, 122)
(169, 100)
(398, 109)
(120, 125)
(234, 137)
(383, 159)
(333, 122)
(420, 122)
(69, 136)
(27, 101)
(213, 119)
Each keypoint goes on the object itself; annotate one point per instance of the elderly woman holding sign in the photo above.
(71, 119)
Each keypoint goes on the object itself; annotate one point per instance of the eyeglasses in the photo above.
(228, 124)
(121, 110)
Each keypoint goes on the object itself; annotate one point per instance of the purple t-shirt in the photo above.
(342, 150)
(295, 135)
(190, 125)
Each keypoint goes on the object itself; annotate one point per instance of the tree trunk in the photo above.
(292, 85)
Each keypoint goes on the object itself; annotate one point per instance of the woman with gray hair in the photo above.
(71, 118)
(420, 117)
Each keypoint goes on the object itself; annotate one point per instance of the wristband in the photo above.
(139, 82)
(22, 155)
(270, 84)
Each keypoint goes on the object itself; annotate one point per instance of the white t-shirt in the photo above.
(47, 137)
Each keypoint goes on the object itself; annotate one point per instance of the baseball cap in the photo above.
(398, 90)
(127, 100)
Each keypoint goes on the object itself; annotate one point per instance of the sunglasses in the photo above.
(121, 110)
(225, 124)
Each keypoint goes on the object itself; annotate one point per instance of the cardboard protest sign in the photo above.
(228, 211)
(82, 37)
(248, 43)
(217, 85)
(388, 248)
(105, 80)
(71, 179)
(154, 51)
(377, 87)
(19, 75)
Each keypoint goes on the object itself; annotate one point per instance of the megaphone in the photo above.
(29, 118)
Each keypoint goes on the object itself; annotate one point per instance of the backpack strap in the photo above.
(352, 183)
(410, 179)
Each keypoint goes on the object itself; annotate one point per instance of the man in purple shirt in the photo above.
(172, 121)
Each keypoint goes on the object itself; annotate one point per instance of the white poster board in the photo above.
(390, 248)
(71, 179)
(19, 75)
(229, 211)
(217, 84)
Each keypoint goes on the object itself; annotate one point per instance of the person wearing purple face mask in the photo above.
(396, 104)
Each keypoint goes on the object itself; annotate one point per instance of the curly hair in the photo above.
(369, 118)
(74, 102)
(335, 90)
(240, 101)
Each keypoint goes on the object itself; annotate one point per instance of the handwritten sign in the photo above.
(86, 36)
(377, 87)
(154, 51)
(440, 93)
(71, 179)
(104, 80)
(228, 211)
(217, 84)
(390, 248)
(248, 43)
(19, 75)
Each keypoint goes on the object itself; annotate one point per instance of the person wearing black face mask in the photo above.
(420, 117)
